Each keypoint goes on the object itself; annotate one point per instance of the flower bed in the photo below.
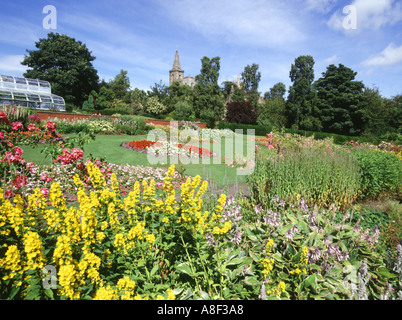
(168, 148)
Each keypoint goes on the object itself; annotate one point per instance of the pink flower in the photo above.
(13, 157)
(19, 181)
(17, 126)
(31, 127)
(17, 151)
(44, 191)
(8, 194)
(34, 118)
(29, 166)
(46, 178)
(3, 118)
(51, 126)
(1, 136)
(68, 157)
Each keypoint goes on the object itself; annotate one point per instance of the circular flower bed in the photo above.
(168, 148)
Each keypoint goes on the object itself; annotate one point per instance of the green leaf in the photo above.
(153, 271)
(205, 295)
(235, 261)
(13, 292)
(386, 272)
(185, 268)
(252, 281)
(256, 257)
(285, 229)
(49, 293)
(188, 294)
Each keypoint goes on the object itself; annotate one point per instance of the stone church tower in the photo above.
(177, 73)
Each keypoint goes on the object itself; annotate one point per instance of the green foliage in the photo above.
(66, 64)
(184, 111)
(381, 172)
(178, 93)
(207, 94)
(272, 113)
(260, 130)
(154, 107)
(120, 84)
(251, 78)
(91, 102)
(319, 176)
(341, 101)
(300, 104)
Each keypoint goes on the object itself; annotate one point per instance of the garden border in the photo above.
(44, 115)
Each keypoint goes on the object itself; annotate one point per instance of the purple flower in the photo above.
(258, 209)
(272, 218)
(291, 232)
(237, 236)
(210, 240)
(314, 255)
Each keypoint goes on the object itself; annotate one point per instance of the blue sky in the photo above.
(142, 37)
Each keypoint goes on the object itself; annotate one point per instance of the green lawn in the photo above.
(220, 175)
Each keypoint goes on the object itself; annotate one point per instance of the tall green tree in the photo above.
(66, 64)
(208, 100)
(120, 84)
(273, 111)
(277, 91)
(251, 78)
(378, 112)
(341, 101)
(301, 111)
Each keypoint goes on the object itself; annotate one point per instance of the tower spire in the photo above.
(176, 63)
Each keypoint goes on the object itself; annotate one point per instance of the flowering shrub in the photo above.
(17, 126)
(68, 157)
(93, 245)
(4, 118)
(313, 254)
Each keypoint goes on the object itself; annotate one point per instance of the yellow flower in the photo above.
(150, 238)
(34, 251)
(95, 176)
(171, 295)
(126, 287)
(56, 197)
(63, 253)
(12, 262)
(106, 293)
(67, 277)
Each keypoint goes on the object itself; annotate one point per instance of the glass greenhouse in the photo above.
(33, 93)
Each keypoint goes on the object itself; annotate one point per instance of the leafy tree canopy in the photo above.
(66, 64)
(341, 101)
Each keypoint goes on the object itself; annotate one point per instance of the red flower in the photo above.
(17, 126)
(19, 181)
(51, 126)
(31, 127)
(3, 118)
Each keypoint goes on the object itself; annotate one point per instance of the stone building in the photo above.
(177, 73)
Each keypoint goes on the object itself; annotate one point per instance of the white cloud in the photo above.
(391, 55)
(12, 64)
(371, 14)
(332, 59)
(242, 22)
(322, 6)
